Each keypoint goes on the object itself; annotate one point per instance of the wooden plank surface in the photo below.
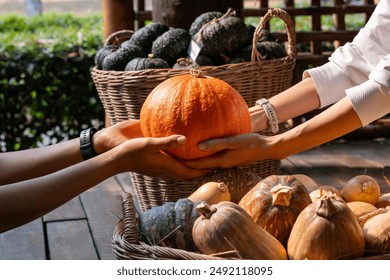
(103, 208)
(337, 162)
(68, 211)
(26, 242)
(70, 240)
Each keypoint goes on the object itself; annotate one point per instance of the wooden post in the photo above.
(176, 13)
(117, 15)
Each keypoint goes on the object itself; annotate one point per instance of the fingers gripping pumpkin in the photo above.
(196, 106)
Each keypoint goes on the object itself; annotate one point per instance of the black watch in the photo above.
(86, 145)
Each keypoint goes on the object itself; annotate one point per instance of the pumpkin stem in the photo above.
(326, 208)
(151, 55)
(197, 73)
(281, 195)
(206, 210)
(223, 187)
(184, 61)
(230, 12)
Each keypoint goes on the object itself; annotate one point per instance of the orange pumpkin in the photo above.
(196, 106)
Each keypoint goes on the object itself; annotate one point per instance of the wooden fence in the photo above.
(317, 39)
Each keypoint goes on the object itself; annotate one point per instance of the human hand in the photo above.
(112, 136)
(146, 156)
(231, 151)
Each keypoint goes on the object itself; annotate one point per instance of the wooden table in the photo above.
(82, 228)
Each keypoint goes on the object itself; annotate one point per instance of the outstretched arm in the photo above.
(293, 102)
(32, 163)
(332, 123)
(24, 201)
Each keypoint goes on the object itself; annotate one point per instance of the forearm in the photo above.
(38, 196)
(295, 101)
(332, 123)
(32, 163)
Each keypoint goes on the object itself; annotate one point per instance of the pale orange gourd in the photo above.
(361, 188)
(383, 201)
(225, 228)
(211, 193)
(196, 106)
(324, 190)
(325, 230)
(360, 208)
(376, 230)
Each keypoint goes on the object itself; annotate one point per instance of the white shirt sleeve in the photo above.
(371, 99)
(360, 69)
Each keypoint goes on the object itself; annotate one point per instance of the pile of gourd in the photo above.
(222, 38)
(236, 214)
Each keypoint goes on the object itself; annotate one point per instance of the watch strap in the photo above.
(86, 144)
(270, 113)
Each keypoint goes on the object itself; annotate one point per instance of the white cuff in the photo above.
(369, 101)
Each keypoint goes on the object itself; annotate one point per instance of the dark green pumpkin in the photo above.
(238, 180)
(243, 55)
(102, 53)
(117, 60)
(271, 50)
(266, 35)
(147, 34)
(142, 63)
(169, 225)
(202, 20)
(222, 36)
(171, 45)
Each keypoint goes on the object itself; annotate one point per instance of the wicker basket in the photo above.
(126, 245)
(123, 93)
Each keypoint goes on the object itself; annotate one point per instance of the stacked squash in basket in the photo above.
(279, 217)
(218, 38)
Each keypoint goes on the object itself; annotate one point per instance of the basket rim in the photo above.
(288, 60)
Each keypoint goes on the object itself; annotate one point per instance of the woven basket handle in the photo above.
(288, 24)
(130, 232)
(118, 37)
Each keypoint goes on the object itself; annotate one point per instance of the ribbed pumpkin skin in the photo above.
(276, 219)
(315, 237)
(199, 108)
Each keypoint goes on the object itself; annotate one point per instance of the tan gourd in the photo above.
(376, 231)
(325, 230)
(238, 180)
(226, 229)
(360, 208)
(383, 201)
(307, 181)
(274, 204)
(324, 190)
(211, 193)
(361, 188)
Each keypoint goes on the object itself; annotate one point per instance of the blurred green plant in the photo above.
(46, 90)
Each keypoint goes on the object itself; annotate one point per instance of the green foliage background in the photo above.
(46, 90)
